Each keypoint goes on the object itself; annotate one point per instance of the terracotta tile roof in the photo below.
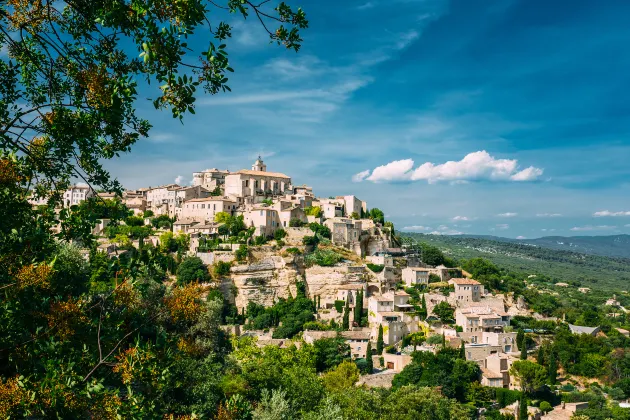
(262, 173)
(465, 281)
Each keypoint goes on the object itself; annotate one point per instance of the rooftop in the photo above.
(465, 281)
(262, 173)
(199, 200)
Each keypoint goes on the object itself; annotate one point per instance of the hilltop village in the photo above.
(294, 268)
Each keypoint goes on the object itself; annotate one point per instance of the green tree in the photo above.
(358, 307)
(423, 308)
(377, 215)
(192, 269)
(330, 352)
(368, 358)
(344, 376)
(444, 311)
(523, 346)
(379, 340)
(520, 337)
(462, 351)
(530, 375)
(545, 407)
(540, 357)
(522, 408)
(354, 215)
(222, 217)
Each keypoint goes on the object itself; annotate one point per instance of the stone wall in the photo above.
(325, 281)
(296, 234)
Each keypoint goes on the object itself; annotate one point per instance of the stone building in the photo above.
(256, 182)
(204, 209)
(415, 275)
(210, 178)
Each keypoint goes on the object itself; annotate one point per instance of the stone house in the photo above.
(183, 225)
(396, 362)
(256, 182)
(331, 208)
(210, 178)
(479, 318)
(162, 200)
(350, 292)
(357, 340)
(351, 205)
(394, 313)
(415, 275)
(76, 194)
(345, 232)
(466, 290)
(381, 258)
(205, 209)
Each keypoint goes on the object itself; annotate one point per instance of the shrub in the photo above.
(377, 268)
(280, 243)
(294, 251)
(222, 268)
(147, 213)
(279, 234)
(260, 240)
(545, 407)
(192, 269)
(390, 349)
(310, 240)
(323, 257)
(296, 223)
(241, 253)
(313, 211)
(321, 230)
(339, 304)
(134, 221)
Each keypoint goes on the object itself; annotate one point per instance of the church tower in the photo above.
(259, 165)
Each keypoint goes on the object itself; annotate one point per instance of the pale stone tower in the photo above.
(259, 165)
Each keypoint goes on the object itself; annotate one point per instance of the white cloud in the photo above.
(360, 176)
(417, 228)
(628, 225)
(394, 171)
(180, 180)
(503, 226)
(548, 230)
(476, 166)
(406, 39)
(548, 215)
(446, 232)
(508, 214)
(521, 237)
(590, 227)
(461, 218)
(608, 213)
(367, 5)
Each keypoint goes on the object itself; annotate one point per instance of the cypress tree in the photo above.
(357, 315)
(540, 358)
(462, 351)
(524, 349)
(346, 316)
(522, 408)
(553, 368)
(379, 341)
(360, 304)
(443, 340)
(423, 308)
(319, 301)
(520, 334)
(368, 357)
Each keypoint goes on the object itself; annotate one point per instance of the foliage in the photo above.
(377, 215)
(444, 311)
(320, 230)
(330, 352)
(530, 375)
(147, 213)
(545, 407)
(323, 257)
(279, 234)
(379, 340)
(310, 240)
(376, 268)
(222, 268)
(344, 376)
(192, 269)
(355, 215)
(241, 253)
(313, 211)
(294, 251)
(339, 305)
(295, 222)
(368, 357)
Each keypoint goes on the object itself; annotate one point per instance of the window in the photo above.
(261, 212)
(203, 206)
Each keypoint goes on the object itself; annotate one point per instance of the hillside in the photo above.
(610, 273)
(607, 246)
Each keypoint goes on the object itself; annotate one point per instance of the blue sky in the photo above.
(526, 99)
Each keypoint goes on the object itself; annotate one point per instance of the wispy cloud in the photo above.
(365, 6)
(406, 38)
(163, 138)
(360, 176)
(508, 214)
(417, 228)
(461, 218)
(503, 226)
(520, 237)
(476, 166)
(180, 180)
(548, 215)
(608, 213)
(591, 228)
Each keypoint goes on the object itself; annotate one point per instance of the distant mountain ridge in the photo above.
(607, 246)
(563, 264)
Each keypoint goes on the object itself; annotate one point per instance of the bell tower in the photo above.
(259, 165)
